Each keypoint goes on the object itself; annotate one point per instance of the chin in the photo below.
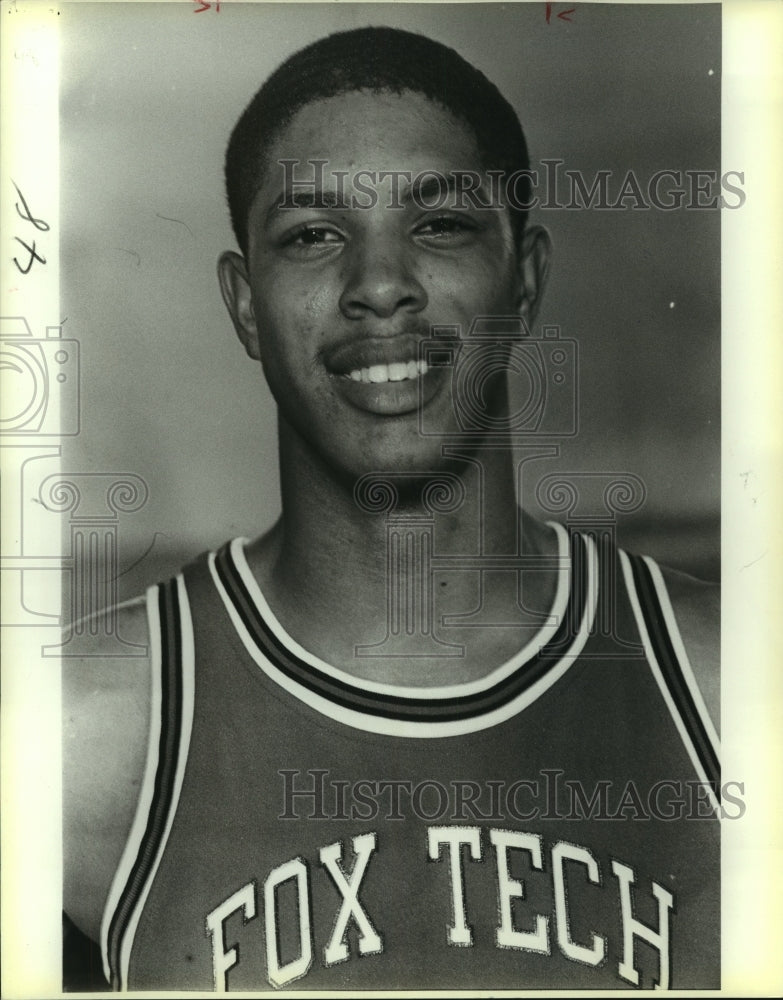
(412, 469)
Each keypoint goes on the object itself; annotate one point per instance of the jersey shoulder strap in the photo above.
(669, 662)
(172, 662)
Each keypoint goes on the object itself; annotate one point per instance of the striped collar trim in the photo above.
(405, 711)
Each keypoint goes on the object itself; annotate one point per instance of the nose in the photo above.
(380, 280)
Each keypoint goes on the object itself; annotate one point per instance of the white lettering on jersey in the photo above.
(455, 837)
(331, 858)
(510, 888)
(278, 974)
(561, 853)
(569, 870)
(243, 899)
(634, 928)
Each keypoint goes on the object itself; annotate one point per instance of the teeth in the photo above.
(397, 371)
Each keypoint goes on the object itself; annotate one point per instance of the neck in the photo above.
(342, 553)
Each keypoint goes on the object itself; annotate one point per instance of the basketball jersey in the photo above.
(553, 824)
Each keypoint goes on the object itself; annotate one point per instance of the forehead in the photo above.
(363, 130)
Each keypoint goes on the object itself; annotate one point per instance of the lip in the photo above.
(392, 399)
(365, 352)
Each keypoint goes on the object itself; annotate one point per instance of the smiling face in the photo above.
(338, 293)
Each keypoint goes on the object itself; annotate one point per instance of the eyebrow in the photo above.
(457, 183)
(431, 186)
(316, 198)
(435, 185)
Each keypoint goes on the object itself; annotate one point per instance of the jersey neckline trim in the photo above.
(542, 637)
(403, 711)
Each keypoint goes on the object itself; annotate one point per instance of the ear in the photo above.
(235, 289)
(535, 256)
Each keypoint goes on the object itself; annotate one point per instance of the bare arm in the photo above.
(106, 703)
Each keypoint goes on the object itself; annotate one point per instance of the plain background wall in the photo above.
(149, 94)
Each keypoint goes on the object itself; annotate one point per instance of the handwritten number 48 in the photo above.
(24, 213)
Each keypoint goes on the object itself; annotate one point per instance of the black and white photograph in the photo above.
(385, 507)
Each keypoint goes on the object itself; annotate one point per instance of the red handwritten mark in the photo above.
(562, 14)
(203, 5)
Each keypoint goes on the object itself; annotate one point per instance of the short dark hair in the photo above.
(378, 59)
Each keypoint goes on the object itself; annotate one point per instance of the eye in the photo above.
(446, 228)
(312, 236)
(310, 241)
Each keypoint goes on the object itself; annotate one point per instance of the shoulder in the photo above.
(106, 706)
(696, 607)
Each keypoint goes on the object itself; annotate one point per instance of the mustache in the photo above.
(375, 347)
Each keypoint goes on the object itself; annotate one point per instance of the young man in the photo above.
(410, 737)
